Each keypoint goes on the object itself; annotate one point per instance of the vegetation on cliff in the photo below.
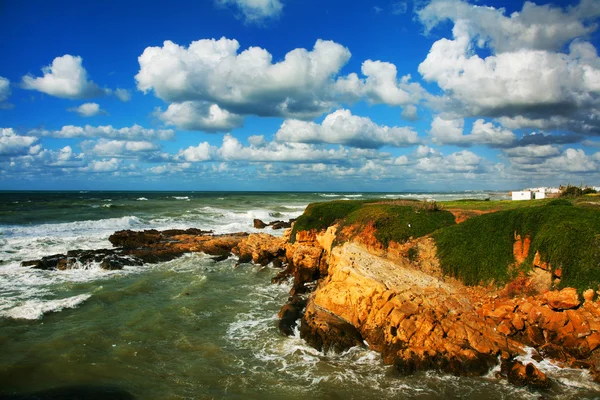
(480, 250)
(393, 221)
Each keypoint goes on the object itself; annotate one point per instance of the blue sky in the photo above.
(299, 95)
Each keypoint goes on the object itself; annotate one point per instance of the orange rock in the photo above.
(521, 248)
(537, 262)
(563, 300)
(593, 340)
(588, 295)
(505, 328)
(580, 326)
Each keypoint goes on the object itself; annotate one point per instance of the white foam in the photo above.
(35, 309)
(142, 199)
(572, 377)
(182, 198)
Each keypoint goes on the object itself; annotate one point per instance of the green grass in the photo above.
(399, 223)
(391, 221)
(321, 215)
(480, 250)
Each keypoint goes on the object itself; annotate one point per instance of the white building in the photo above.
(522, 195)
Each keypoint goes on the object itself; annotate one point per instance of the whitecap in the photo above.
(35, 309)
(142, 199)
(187, 198)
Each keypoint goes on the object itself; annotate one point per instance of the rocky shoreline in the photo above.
(355, 292)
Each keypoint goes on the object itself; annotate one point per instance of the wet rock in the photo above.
(137, 248)
(290, 314)
(325, 331)
(524, 375)
(258, 224)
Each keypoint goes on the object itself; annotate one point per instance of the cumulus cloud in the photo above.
(118, 148)
(571, 163)
(123, 94)
(450, 131)
(459, 162)
(245, 83)
(106, 131)
(13, 144)
(255, 11)
(341, 127)
(536, 27)
(202, 152)
(199, 116)
(65, 78)
(526, 76)
(381, 85)
(61, 158)
(4, 92)
(106, 165)
(88, 110)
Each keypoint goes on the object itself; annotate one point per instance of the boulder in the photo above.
(524, 375)
(325, 331)
(565, 299)
(258, 224)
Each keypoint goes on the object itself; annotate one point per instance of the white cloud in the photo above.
(533, 151)
(202, 152)
(233, 150)
(110, 165)
(543, 27)
(381, 85)
(245, 83)
(88, 110)
(65, 78)
(123, 94)
(118, 148)
(460, 162)
(526, 77)
(62, 158)
(199, 116)
(107, 131)
(450, 131)
(409, 113)
(13, 144)
(255, 11)
(341, 127)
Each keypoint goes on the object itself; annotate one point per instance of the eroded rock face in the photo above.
(326, 331)
(418, 319)
(260, 248)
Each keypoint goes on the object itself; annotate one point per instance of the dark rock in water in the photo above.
(75, 393)
(290, 314)
(258, 224)
(325, 331)
(281, 224)
(220, 258)
(137, 248)
(524, 375)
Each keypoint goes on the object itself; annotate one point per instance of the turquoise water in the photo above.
(189, 328)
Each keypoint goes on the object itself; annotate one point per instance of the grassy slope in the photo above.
(480, 250)
(393, 222)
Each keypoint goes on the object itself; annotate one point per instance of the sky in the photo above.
(299, 95)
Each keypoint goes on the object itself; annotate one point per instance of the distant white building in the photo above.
(522, 195)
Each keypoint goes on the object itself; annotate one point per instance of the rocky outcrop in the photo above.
(397, 301)
(137, 248)
(275, 225)
(261, 248)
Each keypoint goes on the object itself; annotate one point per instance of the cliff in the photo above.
(377, 277)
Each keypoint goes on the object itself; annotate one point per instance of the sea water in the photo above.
(191, 328)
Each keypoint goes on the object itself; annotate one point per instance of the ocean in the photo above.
(190, 328)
